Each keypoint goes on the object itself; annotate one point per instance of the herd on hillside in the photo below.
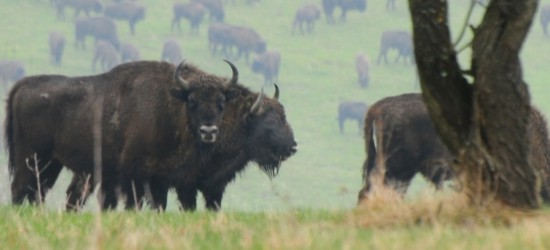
(200, 130)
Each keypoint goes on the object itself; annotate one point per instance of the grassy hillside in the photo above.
(317, 73)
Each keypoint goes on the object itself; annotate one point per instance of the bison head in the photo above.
(271, 137)
(206, 98)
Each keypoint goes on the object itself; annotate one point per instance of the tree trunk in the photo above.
(484, 124)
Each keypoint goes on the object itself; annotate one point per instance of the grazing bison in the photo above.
(398, 40)
(11, 71)
(215, 8)
(267, 64)
(57, 44)
(98, 27)
(218, 35)
(306, 14)
(132, 12)
(86, 6)
(129, 53)
(229, 36)
(171, 52)
(362, 69)
(346, 5)
(144, 111)
(106, 54)
(194, 12)
(545, 18)
(351, 111)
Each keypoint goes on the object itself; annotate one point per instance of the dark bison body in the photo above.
(398, 40)
(352, 111)
(99, 27)
(171, 52)
(106, 54)
(401, 141)
(147, 110)
(268, 65)
(362, 69)
(245, 40)
(194, 12)
(129, 53)
(86, 6)
(57, 45)
(346, 5)
(215, 8)
(545, 18)
(11, 71)
(218, 35)
(128, 11)
(307, 14)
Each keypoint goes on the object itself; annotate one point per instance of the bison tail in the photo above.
(370, 145)
(9, 131)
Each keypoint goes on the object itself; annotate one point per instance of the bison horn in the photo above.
(257, 106)
(235, 78)
(276, 95)
(177, 76)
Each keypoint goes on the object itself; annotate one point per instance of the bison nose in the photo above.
(208, 133)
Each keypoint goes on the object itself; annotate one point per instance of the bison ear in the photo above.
(180, 94)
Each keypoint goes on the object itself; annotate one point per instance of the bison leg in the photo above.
(187, 196)
(134, 191)
(32, 178)
(213, 198)
(159, 193)
(132, 24)
(80, 188)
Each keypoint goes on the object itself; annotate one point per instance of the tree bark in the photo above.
(484, 124)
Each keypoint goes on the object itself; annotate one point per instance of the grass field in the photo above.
(309, 204)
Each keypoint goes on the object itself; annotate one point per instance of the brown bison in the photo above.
(171, 52)
(144, 111)
(11, 71)
(129, 53)
(86, 6)
(194, 12)
(398, 40)
(107, 55)
(132, 12)
(362, 69)
(218, 35)
(245, 40)
(545, 18)
(306, 14)
(57, 44)
(98, 27)
(346, 5)
(348, 110)
(215, 8)
(267, 64)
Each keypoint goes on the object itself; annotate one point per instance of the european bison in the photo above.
(218, 34)
(398, 40)
(346, 5)
(143, 111)
(194, 12)
(171, 52)
(545, 18)
(215, 8)
(129, 53)
(351, 111)
(132, 12)
(98, 27)
(245, 40)
(107, 55)
(11, 71)
(78, 5)
(308, 14)
(267, 64)
(362, 68)
(57, 44)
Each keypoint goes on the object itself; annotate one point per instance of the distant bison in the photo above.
(98, 27)
(545, 18)
(107, 55)
(215, 8)
(306, 14)
(57, 44)
(11, 71)
(129, 53)
(129, 11)
(246, 40)
(267, 64)
(86, 6)
(346, 5)
(194, 12)
(398, 40)
(362, 69)
(351, 111)
(171, 52)
(218, 35)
